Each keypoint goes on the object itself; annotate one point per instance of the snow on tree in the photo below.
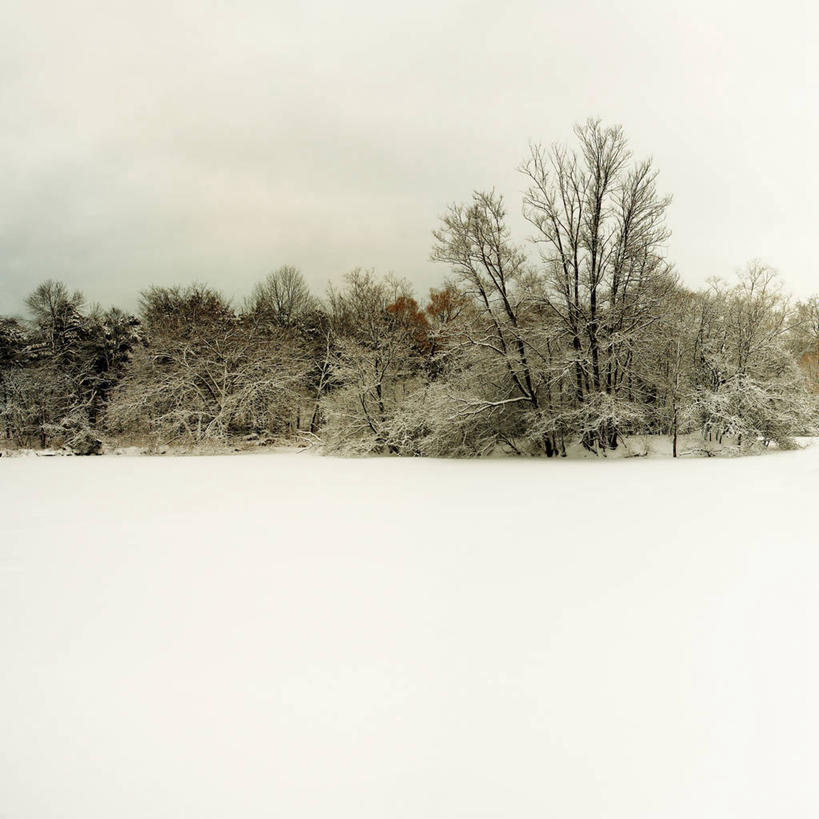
(582, 335)
(600, 230)
(748, 387)
(379, 341)
(208, 373)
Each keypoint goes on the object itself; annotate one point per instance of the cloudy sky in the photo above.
(166, 142)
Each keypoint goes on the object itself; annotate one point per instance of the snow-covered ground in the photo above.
(291, 636)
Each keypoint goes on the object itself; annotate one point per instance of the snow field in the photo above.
(294, 636)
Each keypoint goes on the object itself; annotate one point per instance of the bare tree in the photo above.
(600, 228)
(207, 374)
(748, 385)
(508, 326)
(282, 298)
(376, 350)
(56, 313)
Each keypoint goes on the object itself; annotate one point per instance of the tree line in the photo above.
(581, 335)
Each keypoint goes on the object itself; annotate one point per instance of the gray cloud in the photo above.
(156, 143)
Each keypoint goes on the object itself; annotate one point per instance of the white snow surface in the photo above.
(292, 636)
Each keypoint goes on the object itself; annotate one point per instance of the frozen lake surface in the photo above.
(301, 637)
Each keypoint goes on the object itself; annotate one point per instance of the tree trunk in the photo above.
(674, 434)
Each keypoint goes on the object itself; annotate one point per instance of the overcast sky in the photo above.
(166, 142)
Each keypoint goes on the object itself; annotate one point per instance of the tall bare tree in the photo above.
(600, 229)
